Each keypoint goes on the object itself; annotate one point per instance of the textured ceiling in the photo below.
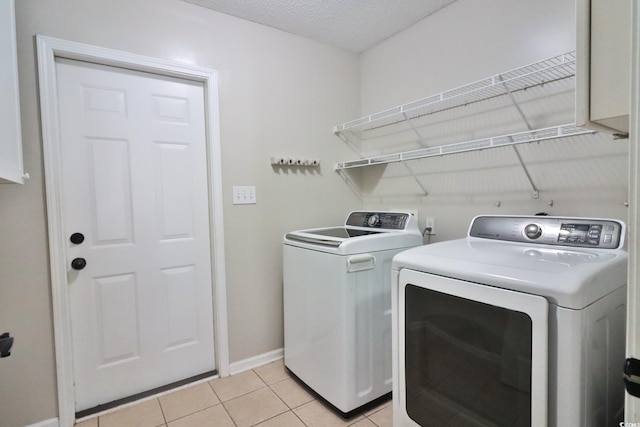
(354, 25)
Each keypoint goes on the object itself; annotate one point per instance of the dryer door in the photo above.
(469, 354)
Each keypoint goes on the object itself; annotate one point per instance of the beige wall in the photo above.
(463, 43)
(279, 95)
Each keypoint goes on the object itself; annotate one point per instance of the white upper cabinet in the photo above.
(603, 65)
(11, 167)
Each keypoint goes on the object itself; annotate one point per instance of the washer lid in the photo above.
(571, 278)
(363, 231)
(349, 240)
(342, 232)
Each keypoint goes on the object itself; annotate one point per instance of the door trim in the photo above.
(48, 49)
(632, 404)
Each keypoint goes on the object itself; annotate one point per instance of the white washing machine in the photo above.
(522, 323)
(337, 305)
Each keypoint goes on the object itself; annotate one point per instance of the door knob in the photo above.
(78, 263)
(77, 238)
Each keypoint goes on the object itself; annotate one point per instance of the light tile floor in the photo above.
(266, 396)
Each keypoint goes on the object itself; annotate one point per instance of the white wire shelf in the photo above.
(537, 135)
(537, 74)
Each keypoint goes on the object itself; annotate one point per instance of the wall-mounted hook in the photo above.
(550, 203)
(498, 203)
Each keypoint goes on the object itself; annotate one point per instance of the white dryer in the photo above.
(337, 305)
(522, 323)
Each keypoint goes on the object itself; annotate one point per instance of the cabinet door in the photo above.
(11, 169)
(603, 64)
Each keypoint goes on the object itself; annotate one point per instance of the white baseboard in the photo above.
(256, 361)
(53, 422)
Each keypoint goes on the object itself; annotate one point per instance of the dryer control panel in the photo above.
(550, 230)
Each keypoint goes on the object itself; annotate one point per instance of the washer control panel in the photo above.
(384, 220)
(532, 231)
(549, 230)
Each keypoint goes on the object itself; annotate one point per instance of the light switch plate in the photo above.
(244, 195)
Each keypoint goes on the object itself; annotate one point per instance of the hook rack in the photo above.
(293, 161)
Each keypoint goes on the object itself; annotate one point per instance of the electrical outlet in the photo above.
(244, 195)
(430, 226)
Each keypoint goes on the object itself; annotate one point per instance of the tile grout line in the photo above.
(164, 417)
(277, 396)
(289, 408)
(222, 403)
(265, 385)
(286, 404)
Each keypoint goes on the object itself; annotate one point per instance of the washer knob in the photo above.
(373, 220)
(533, 231)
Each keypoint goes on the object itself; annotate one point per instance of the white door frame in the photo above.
(632, 404)
(48, 50)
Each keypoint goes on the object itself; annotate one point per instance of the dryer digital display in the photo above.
(580, 233)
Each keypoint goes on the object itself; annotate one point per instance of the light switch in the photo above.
(244, 195)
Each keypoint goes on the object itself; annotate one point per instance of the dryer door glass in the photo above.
(466, 362)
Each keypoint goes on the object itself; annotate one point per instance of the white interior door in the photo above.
(134, 184)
